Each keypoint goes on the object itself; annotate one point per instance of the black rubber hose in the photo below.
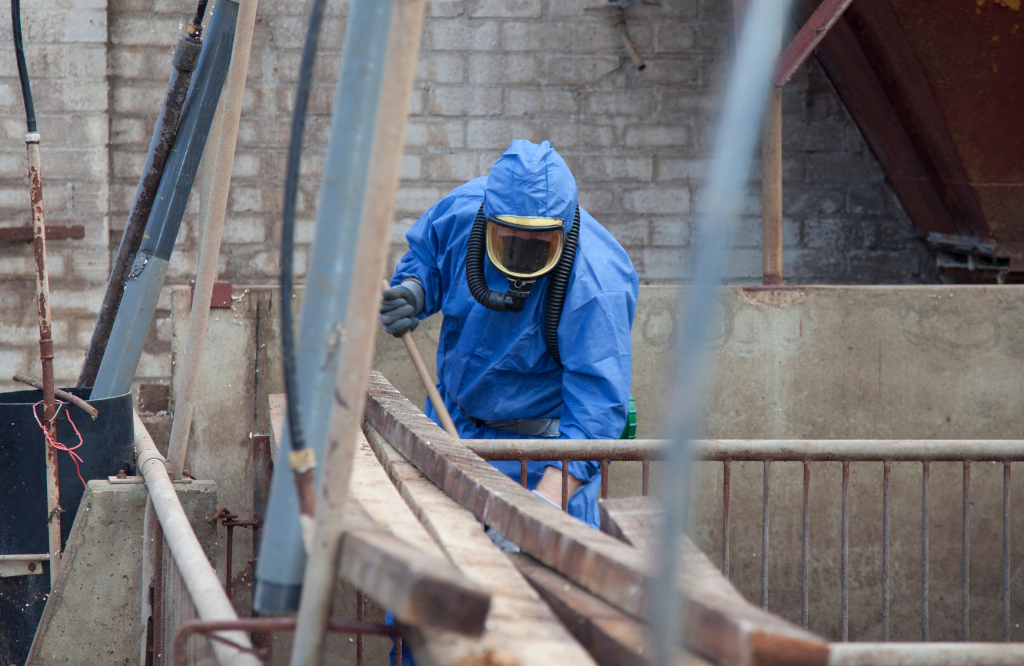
(19, 55)
(186, 55)
(557, 286)
(475, 249)
(291, 188)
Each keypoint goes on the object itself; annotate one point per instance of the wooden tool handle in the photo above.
(428, 381)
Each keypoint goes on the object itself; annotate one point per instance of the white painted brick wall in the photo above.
(66, 51)
(489, 71)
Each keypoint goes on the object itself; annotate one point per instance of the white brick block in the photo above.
(244, 229)
(417, 199)
(246, 199)
(492, 69)
(506, 9)
(441, 68)
(411, 168)
(465, 100)
(674, 201)
(617, 168)
(500, 133)
(657, 136)
(86, 25)
(461, 35)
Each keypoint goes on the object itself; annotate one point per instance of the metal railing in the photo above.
(766, 452)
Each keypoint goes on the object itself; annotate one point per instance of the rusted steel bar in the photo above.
(886, 474)
(1006, 552)
(805, 546)
(645, 478)
(11, 235)
(565, 485)
(766, 499)
(619, 18)
(35, 191)
(398, 650)
(158, 594)
(925, 475)
(965, 599)
(756, 450)
(360, 616)
(808, 38)
(932, 654)
(266, 624)
(604, 479)
(522, 473)
(726, 488)
(63, 395)
(844, 612)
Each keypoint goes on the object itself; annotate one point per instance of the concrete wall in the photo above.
(809, 362)
(490, 71)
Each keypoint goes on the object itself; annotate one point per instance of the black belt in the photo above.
(529, 427)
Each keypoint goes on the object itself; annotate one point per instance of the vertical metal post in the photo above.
(771, 190)
(726, 488)
(565, 485)
(886, 471)
(765, 496)
(604, 479)
(1006, 552)
(805, 545)
(35, 189)
(844, 612)
(645, 478)
(158, 594)
(522, 473)
(966, 591)
(925, 474)
(360, 616)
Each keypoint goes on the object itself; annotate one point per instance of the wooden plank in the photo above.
(718, 628)
(635, 520)
(521, 629)
(612, 637)
(415, 580)
(420, 588)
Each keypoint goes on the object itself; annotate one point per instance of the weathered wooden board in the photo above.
(419, 584)
(717, 626)
(612, 637)
(521, 628)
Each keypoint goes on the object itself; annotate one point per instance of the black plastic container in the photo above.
(106, 449)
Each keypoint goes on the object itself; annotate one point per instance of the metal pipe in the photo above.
(886, 474)
(932, 654)
(53, 508)
(209, 254)
(264, 624)
(565, 485)
(183, 63)
(765, 501)
(387, 68)
(755, 450)
(645, 478)
(619, 18)
(63, 395)
(771, 191)
(965, 599)
(730, 164)
(844, 601)
(329, 282)
(146, 278)
(200, 579)
(808, 38)
(726, 492)
(925, 475)
(604, 479)
(1006, 552)
(805, 547)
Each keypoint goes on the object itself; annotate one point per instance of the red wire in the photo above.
(75, 458)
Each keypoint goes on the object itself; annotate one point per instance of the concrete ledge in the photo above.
(92, 616)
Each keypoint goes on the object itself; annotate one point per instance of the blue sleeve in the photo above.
(598, 361)
(421, 262)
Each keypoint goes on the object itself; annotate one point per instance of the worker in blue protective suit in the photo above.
(538, 302)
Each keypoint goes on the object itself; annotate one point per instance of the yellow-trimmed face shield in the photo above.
(524, 247)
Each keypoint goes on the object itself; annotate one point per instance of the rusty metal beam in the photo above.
(808, 38)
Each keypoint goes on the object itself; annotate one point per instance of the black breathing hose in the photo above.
(291, 188)
(475, 248)
(557, 286)
(495, 300)
(19, 54)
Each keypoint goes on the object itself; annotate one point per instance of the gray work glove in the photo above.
(399, 307)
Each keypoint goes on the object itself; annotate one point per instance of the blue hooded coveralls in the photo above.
(495, 366)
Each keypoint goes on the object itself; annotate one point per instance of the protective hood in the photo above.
(531, 180)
